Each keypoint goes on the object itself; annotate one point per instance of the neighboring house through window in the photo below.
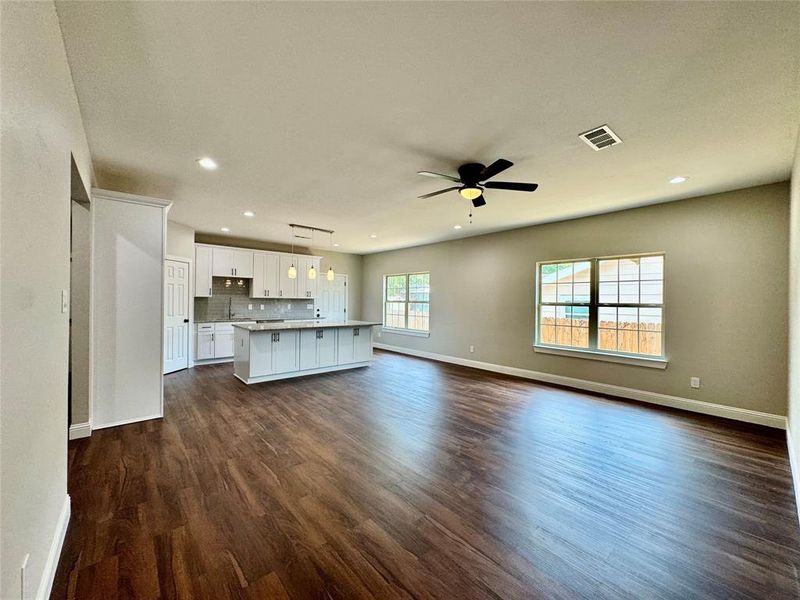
(612, 305)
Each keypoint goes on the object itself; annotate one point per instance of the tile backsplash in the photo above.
(229, 300)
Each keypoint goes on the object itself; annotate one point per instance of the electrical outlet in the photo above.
(64, 301)
(288, 306)
(262, 307)
(310, 306)
(249, 307)
(23, 584)
(694, 382)
(471, 348)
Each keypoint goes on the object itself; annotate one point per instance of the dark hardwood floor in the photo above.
(414, 479)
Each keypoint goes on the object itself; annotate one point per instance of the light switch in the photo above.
(695, 382)
(64, 301)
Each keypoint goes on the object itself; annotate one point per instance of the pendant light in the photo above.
(331, 275)
(292, 274)
(312, 272)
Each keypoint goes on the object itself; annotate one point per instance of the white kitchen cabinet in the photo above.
(223, 344)
(202, 271)
(222, 262)
(265, 275)
(243, 263)
(271, 354)
(284, 352)
(306, 287)
(214, 340)
(287, 288)
(354, 344)
(317, 348)
(362, 344)
(231, 262)
(204, 345)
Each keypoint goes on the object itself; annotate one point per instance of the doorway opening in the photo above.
(79, 380)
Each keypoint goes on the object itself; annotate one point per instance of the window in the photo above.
(612, 305)
(406, 302)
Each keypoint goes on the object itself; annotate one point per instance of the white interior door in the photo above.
(176, 315)
(332, 298)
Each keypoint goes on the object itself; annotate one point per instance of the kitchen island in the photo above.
(269, 351)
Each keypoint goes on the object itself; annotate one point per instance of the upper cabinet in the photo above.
(231, 262)
(307, 287)
(222, 262)
(243, 263)
(268, 271)
(265, 275)
(202, 271)
(287, 288)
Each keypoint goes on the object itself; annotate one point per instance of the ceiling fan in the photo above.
(472, 179)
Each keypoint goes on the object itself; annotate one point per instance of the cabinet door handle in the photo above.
(212, 337)
(355, 331)
(265, 293)
(209, 291)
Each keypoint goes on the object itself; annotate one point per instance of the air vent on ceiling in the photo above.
(600, 138)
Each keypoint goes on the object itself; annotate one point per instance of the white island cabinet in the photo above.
(268, 351)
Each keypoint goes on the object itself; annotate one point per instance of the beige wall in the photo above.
(726, 294)
(794, 321)
(346, 264)
(41, 126)
(180, 240)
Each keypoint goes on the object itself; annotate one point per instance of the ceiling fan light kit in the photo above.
(473, 179)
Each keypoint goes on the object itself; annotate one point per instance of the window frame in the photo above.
(406, 330)
(594, 305)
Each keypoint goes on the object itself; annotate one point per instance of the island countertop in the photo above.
(321, 324)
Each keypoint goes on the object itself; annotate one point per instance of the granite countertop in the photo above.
(305, 325)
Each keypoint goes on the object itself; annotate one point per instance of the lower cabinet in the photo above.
(204, 348)
(270, 353)
(214, 340)
(354, 345)
(317, 348)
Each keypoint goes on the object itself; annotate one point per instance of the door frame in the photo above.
(190, 333)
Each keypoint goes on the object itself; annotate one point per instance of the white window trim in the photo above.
(640, 361)
(656, 362)
(411, 332)
(405, 331)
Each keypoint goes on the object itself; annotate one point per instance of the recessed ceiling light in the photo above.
(678, 179)
(249, 213)
(224, 230)
(207, 163)
(336, 245)
(373, 235)
(456, 226)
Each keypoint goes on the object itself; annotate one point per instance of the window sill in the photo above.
(410, 332)
(652, 363)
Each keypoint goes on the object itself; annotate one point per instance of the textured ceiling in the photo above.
(321, 113)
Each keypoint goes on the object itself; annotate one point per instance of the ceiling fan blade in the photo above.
(498, 166)
(511, 185)
(439, 175)
(450, 189)
(479, 201)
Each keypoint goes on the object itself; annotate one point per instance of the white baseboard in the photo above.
(80, 430)
(50, 566)
(794, 464)
(126, 421)
(707, 408)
